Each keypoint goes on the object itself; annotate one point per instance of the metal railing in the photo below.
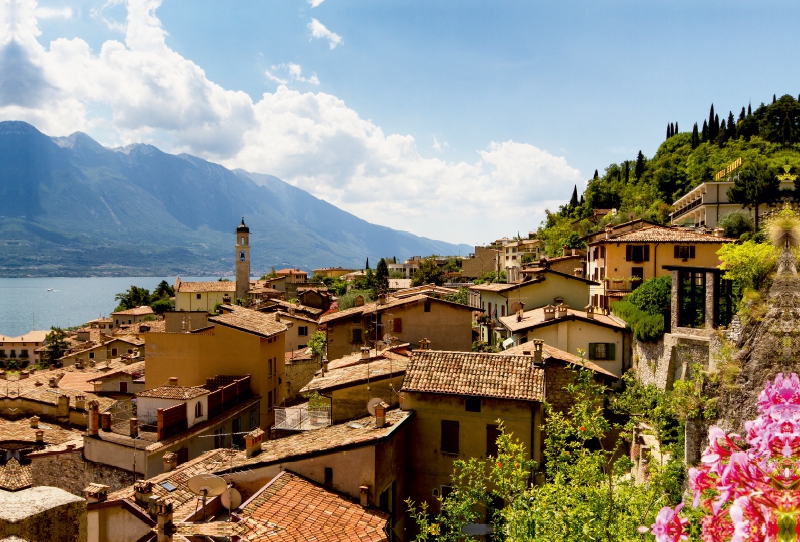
(300, 418)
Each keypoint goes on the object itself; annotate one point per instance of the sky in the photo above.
(459, 120)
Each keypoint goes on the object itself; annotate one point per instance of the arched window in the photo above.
(198, 409)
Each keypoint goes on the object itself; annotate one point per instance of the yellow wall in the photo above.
(226, 351)
(428, 468)
(447, 327)
(187, 301)
(571, 335)
(351, 402)
(114, 523)
(574, 292)
(293, 337)
(661, 254)
(103, 352)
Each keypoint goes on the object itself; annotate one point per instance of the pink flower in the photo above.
(669, 526)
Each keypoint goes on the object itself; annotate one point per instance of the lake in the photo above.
(26, 303)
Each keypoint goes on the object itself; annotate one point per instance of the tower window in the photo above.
(242, 256)
(242, 242)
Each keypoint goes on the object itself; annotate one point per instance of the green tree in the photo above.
(56, 345)
(461, 297)
(271, 275)
(639, 169)
(453, 264)
(381, 277)
(736, 224)
(160, 306)
(747, 264)
(317, 344)
(695, 137)
(428, 272)
(756, 184)
(163, 290)
(573, 201)
(712, 125)
(652, 295)
(366, 266)
(132, 298)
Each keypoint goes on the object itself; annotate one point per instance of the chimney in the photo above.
(252, 442)
(381, 299)
(105, 421)
(53, 382)
(365, 352)
(578, 272)
(520, 314)
(549, 312)
(142, 491)
(80, 402)
(170, 461)
(134, 427)
(364, 495)
(324, 365)
(40, 437)
(164, 521)
(538, 347)
(589, 311)
(35, 422)
(380, 414)
(93, 423)
(565, 251)
(424, 344)
(719, 232)
(561, 310)
(609, 231)
(277, 317)
(96, 493)
(173, 381)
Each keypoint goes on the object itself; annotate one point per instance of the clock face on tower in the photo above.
(242, 256)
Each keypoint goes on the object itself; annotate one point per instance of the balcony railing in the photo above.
(300, 418)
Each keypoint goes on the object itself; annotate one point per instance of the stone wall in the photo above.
(68, 470)
(663, 362)
(298, 374)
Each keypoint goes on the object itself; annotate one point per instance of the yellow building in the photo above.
(301, 328)
(23, 348)
(293, 276)
(236, 343)
(132, 316)
(332, 272)
(603, 337)
(195, 296)
(621, 261)
(408, 320)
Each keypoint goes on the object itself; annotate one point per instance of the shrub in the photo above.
(348, 300)
(736, 223)
(747, 264)
(645, 327)
(653, 295)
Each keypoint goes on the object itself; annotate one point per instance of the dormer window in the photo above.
(198, 409)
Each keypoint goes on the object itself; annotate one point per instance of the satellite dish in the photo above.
(372, 404)
(515, 306)
(207, 485)
(231, 499)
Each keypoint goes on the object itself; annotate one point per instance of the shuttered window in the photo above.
(449, 444)
(683, 253)
(397, 326)
(602, 351)
(492, 433)
(637, 253)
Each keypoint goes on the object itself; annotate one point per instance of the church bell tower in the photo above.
(242, 261)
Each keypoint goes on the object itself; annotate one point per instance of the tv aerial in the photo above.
(206, 485)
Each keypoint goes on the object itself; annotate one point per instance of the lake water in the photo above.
(27, 304)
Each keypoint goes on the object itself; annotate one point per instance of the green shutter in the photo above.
(592, 350)
(610, 351)
(628, 250)
(646, 255)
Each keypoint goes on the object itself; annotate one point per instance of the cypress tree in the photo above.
(722, 136)
(749, 111)
(596, 176)
(714, 128)
(731, 131)
(367, 264)
(668, 134)
(582, 200)
(711, 130)
(639, 170)
(742, 115)
(695, 137)
(573, 201)
(627, 172)
(676, 131)
(773, 98)
(705, 132)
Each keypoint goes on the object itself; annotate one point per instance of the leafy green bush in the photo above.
(747, 264)
(653, 295)
(645, 327)
(348, 300)
(736, 223)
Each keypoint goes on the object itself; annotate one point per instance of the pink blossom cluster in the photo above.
(748, 490)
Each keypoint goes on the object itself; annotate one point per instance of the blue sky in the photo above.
(458, 120)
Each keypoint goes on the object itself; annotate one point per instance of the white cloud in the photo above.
(273, 77)
(53, 13)
(315, 3)
(318, 30)
(143, 91)
(439, 146)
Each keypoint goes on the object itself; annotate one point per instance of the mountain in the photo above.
(69, 207)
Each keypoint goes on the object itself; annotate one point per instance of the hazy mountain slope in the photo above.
(71, 206)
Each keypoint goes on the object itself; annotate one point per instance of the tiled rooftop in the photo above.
(21, 431)
(535, 318)
(472, 373)
(134, 369)
(399, 352)
(14, 476)
(228, 286)
(391, 302)
(255, 322)
(136, 311)
(35, 336)
(500, 287)
(174, 392)
(346, 376)
(551, 352)
(660, 234)
(156, 326)
(36, 388)
(291, 508)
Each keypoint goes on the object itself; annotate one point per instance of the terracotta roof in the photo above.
(14, 476)
(174, 392)
(298, 307)
(296, 356)
(296, 316)
(134, 369)
(660, 234)
(424, 289)
(391, 302)
(156, 326)
(471, 373)
(206, 286)
(255, 322)
(500, 287)
(27, 388)
(21, 431)
(294, 271)
(535, 318)
(291, 508)
(136, 311)
(551, 352)
(399, 351)
(35, 336)
(376, 369)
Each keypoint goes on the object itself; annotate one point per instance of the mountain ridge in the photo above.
(69, 206)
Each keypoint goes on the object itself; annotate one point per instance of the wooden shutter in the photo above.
(691, 251)
(646, 253)
(449, 444)
(492, 433)
(592, 350)
(398, 325)
(611, 351)
(628, 253)
(677, 253)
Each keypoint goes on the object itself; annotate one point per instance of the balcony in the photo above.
(300, 418)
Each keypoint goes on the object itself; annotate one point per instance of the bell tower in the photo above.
(242, 261)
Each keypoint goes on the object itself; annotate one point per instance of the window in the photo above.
(242, 241)
(356, 319)
(123, 387)
(242, 256)
(183, 455)
(199, 296)
(302, 331)
(357, 336)
(13, 354)
(684, 253)
(473, 404)
(114, 352)
(502, 310)
(23, 353)
(397, 325)
(269, 400)
(253, 418)
(492, 434)
(637, 253)
(449, 444)
(602, 351)
(427, 305)
(91, 355)
(274, 396)
(446, 490)
(269, 367)
(219, 438)
(198, 409)
(328, 477)
(236, 428)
